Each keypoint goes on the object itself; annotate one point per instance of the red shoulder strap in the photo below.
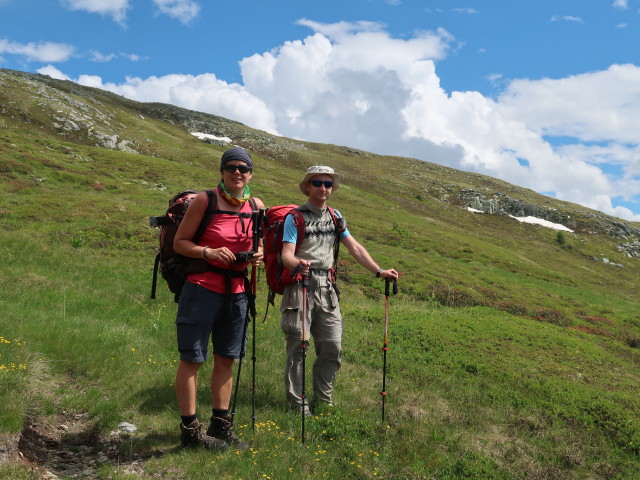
(338, 222)
(212, 205)
(298, 221)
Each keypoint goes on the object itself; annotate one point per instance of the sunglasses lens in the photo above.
(233, 168)
(318, 183)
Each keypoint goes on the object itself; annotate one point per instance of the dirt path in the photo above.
(67, 446)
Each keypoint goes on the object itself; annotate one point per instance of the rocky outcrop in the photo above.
(630, 249)
(502, 204)
(72, 113)
(587, 221)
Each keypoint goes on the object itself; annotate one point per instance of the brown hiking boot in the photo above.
(192, 436)
(222, 428)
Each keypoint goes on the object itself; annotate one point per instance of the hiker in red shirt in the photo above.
(213, 304)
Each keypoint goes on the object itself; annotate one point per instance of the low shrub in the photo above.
(551, 315)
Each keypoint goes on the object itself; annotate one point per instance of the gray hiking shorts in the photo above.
(203, 314)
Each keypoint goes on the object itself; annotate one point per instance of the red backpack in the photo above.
(278, 276)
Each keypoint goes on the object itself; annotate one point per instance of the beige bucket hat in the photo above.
(319, 170)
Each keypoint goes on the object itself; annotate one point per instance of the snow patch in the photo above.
(534, 220)
(544, 223)
(208, 136)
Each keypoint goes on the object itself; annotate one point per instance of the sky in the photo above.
(544, 94)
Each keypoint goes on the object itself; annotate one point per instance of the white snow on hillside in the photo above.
(208, 136)
(534, 220)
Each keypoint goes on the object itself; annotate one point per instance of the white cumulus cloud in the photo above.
(204, 93)
(595, 106)
(53, 72)
(41, 51)
(621, 4)
(182, 10)
(566, 18)
(346, 83)
(116, 9)
(100, 57)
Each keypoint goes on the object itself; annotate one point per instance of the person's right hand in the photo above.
(222, 255)
(303, 268)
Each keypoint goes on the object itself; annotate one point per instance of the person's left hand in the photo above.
(257, 258)
(390, 273)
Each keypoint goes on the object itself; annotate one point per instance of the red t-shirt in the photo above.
(225, 231)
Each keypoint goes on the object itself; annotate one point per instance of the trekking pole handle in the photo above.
(254, 227)
(386, 287)
(243, 257)
(260, 222)
(258, 218)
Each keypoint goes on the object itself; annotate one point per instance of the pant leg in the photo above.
(291, 325)
(326, 329)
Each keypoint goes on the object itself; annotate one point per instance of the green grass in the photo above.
(510, 356)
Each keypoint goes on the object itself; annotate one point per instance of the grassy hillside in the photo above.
(512, 355)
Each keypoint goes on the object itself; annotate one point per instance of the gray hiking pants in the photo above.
(323, 323)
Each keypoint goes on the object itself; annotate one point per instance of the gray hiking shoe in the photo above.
(222, 428)
(192, 436)
(297, 410)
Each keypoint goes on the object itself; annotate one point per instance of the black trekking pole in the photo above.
(257, 234)
(304, 346)
(251, 309)
(386, 339)
(242, 347)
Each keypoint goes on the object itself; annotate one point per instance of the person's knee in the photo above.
(222, 362)
(190, 366)
(187, 371)
(329, 350)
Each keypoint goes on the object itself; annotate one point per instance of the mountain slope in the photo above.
(538, 331)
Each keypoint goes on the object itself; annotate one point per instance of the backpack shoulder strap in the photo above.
(210, 211)
(339, 223)
(154, 281)
(298, 221)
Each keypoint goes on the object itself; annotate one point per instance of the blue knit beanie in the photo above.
(236, 153)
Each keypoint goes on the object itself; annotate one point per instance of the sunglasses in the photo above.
(318, 183)
(232, 168)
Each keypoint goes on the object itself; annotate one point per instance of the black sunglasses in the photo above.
(318, 183)
(232, 168)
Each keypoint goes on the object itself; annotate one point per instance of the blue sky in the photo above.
(544, 94)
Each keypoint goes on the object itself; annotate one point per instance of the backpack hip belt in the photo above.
(319, 272)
